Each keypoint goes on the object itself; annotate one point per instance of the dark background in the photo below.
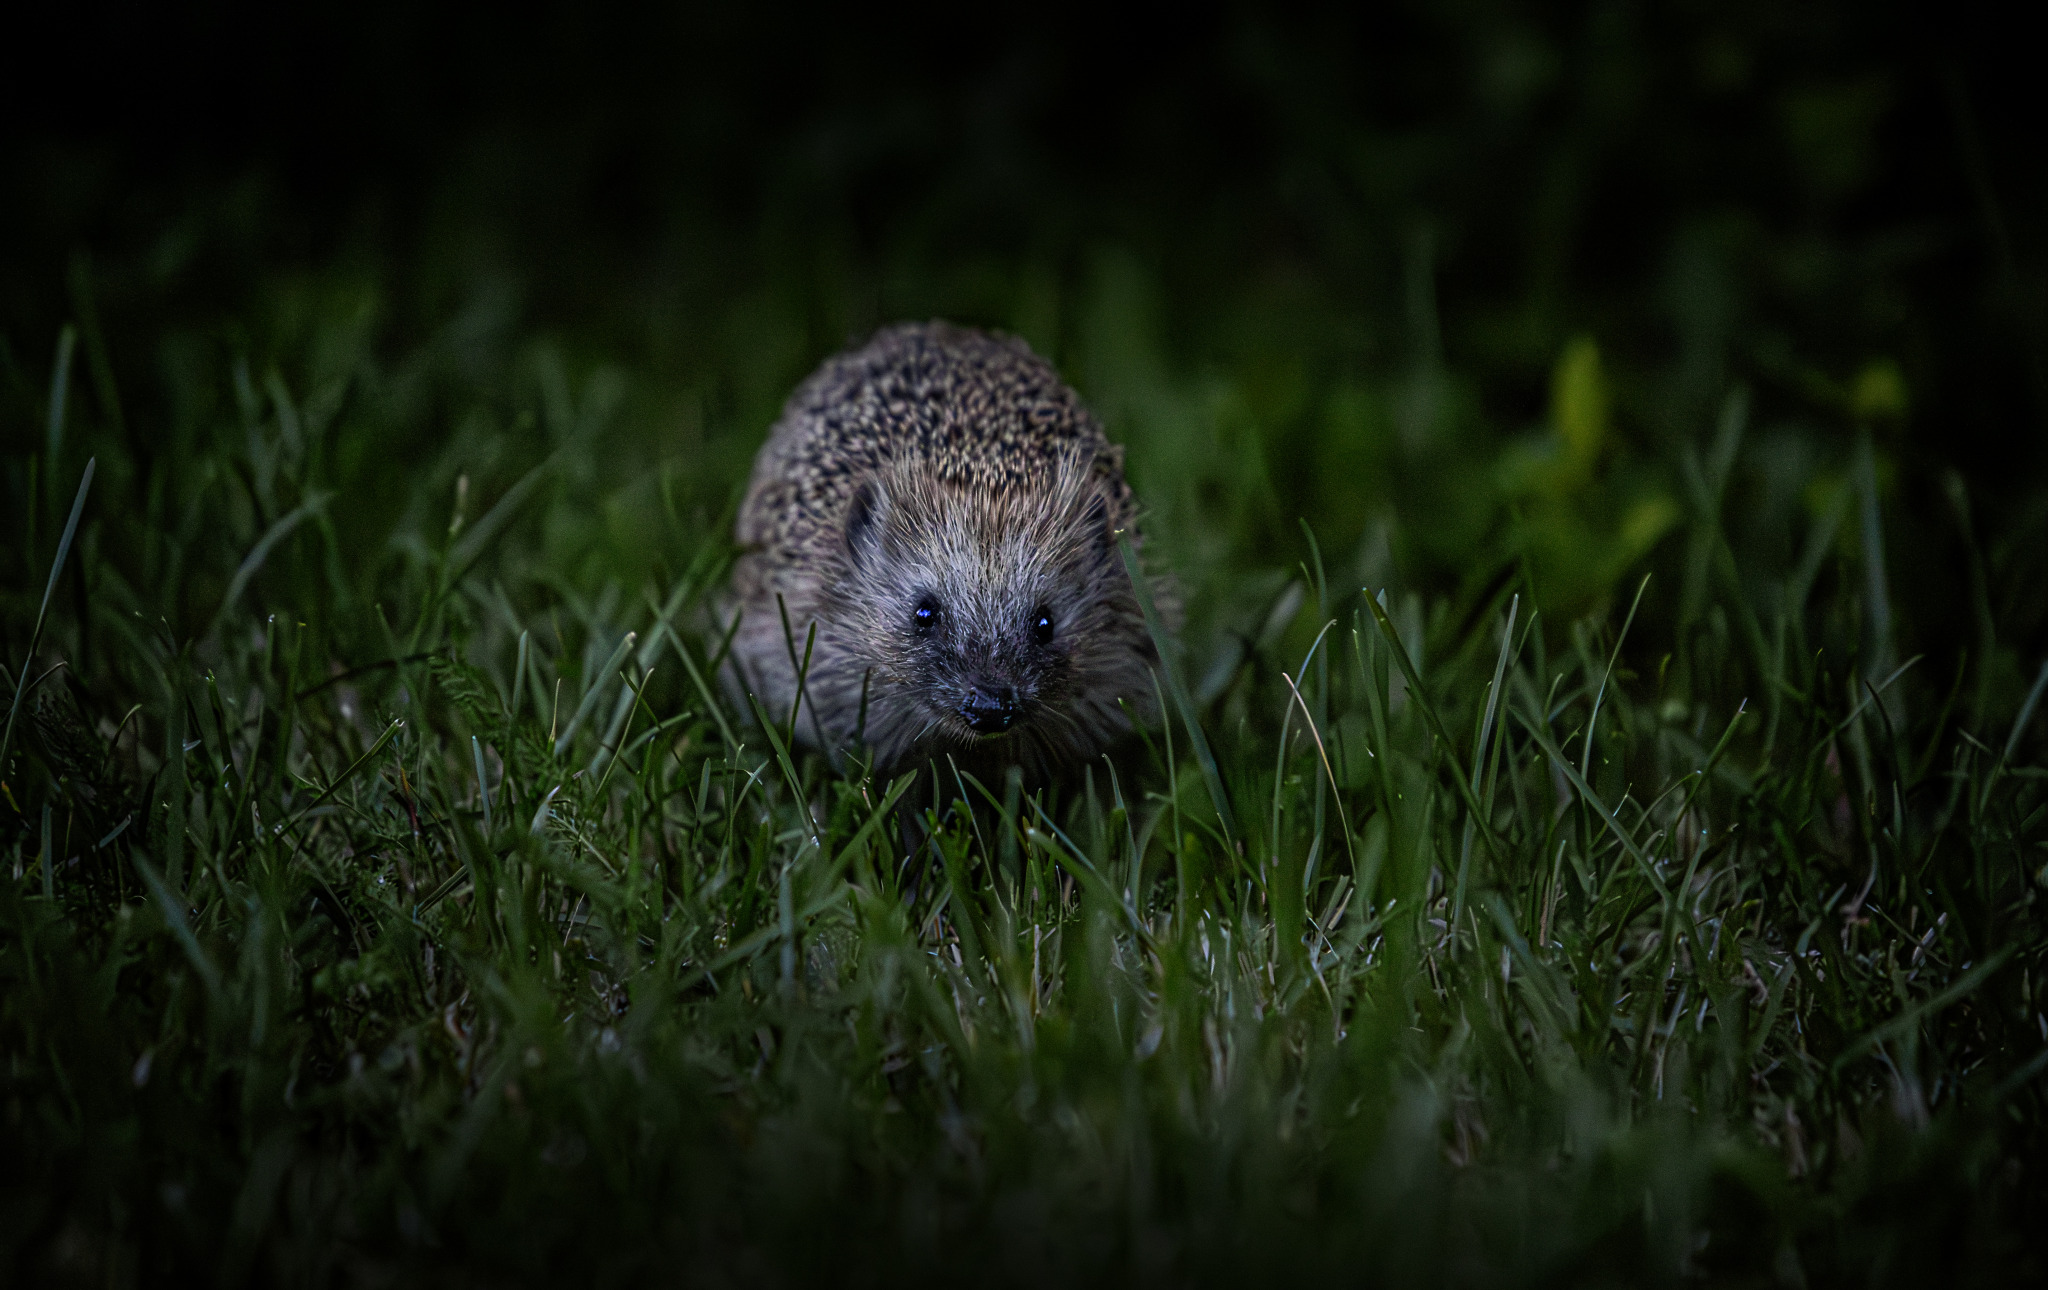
(1757, 193)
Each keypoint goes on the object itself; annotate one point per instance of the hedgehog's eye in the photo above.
(925, 616)
(1041, 627)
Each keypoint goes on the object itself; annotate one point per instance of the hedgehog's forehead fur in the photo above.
(990, 556)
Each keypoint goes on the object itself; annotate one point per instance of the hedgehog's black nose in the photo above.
(989, 710)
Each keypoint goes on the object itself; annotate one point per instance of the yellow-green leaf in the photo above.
(1578, 401)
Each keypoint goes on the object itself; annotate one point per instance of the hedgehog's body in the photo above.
(941, 511)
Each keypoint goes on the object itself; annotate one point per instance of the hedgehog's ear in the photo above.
(864, 521)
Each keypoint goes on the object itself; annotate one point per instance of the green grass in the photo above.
(386, 893)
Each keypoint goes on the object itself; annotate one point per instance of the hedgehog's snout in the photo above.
(989, 709)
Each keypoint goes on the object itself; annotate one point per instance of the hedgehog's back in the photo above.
(977, 408)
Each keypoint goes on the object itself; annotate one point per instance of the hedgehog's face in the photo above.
(993, 616)
(979, 663)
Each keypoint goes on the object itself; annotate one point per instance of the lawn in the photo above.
(1597, 833)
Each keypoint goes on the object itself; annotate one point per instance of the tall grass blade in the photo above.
(1910, 1019)
(320, 798)
(251, 563)
(1877, 581)
(1336, 794)
(35, 639)
(711, 703)
(173, 911)
(60, 399)
(483, 787)
(1606, 675)
(472, 545)
(1534, 725)
(1212, 776)
(518, 678)
(2026, 716)
(598, 683)
(1483, 742)
(1434, 720)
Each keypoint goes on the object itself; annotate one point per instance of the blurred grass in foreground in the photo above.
(385, 892)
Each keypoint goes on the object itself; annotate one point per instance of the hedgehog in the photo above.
(929, 562)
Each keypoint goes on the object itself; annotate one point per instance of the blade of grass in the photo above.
(1435, 722)
(1877, 582)
(483, 787)
(390, 732)
(1544, 983)
(608, 752)
(2026, 717)
(1481, 767)
(598, 682)
(1336, 795)
(173, 911)
(252, 562)
(1280, 755)
(1486, 720)
(1593, 721)
(518, 678)
(711, 703)
(60, 398)
(1533, 724)
(1212, 777)
(650, 654)
(35, 638)
(1093, 878)
(789, 771)
(1928, 1007)
(472, 546)
(761, 937)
